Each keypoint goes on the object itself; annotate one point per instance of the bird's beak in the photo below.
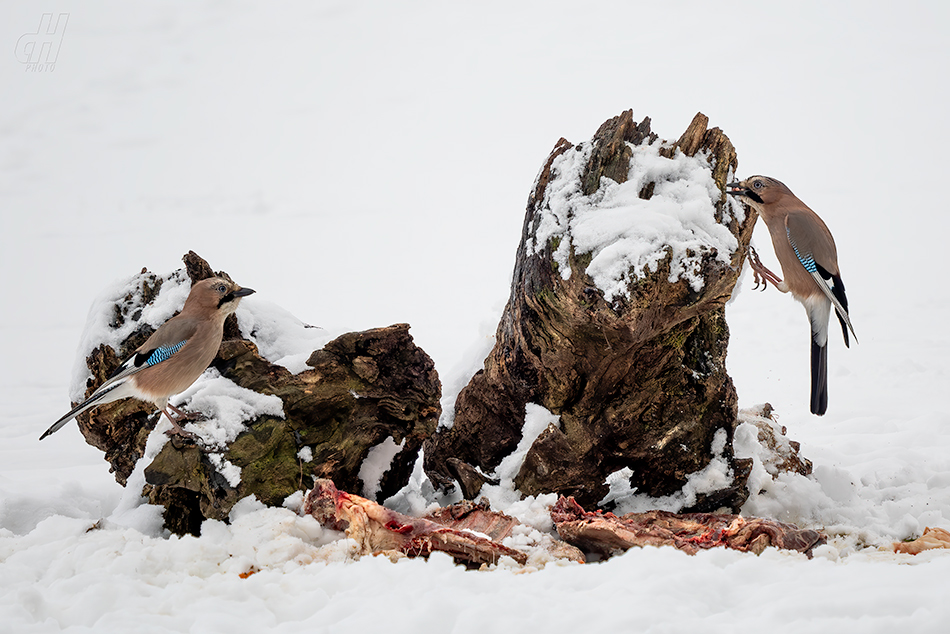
(235, 295)
(736, 189)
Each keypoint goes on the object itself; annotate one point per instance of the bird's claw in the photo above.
(187, 437)
(756, 264)
(182, 416)
(760, 274)
(182, 433)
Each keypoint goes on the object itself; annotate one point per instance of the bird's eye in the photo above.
(221, 288)
(757, 184)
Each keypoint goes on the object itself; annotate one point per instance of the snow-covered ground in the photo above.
(363, 164)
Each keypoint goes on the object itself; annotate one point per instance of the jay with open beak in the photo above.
(173, 357)
(809, 260)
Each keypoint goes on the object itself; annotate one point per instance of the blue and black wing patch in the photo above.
(158, 354)
(834, 291)
(805, 258)
(141, 360)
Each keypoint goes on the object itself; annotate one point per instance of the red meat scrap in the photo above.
(607, 533)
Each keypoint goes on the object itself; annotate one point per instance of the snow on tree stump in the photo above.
(616, 323)
(360, 391)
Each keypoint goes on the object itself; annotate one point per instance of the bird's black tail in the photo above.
(819, 378)
(838, 291)
(97, 398)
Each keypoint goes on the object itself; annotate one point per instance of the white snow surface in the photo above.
(280, 337)
(626, 235)
(376, 463)
(225, 407)
(536, 420)
(364, 164)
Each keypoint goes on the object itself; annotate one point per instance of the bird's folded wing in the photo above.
(164, 343)
(144, 359)
(815, 249)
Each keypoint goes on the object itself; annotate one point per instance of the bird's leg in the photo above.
(183, 415)
(176, 429)
(762, 275)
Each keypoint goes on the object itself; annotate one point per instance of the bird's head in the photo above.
(758, 191)
(216, 294)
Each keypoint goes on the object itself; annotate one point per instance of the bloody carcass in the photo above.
(607, 533)
(379, 530)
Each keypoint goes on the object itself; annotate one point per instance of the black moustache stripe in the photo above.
(227, 298)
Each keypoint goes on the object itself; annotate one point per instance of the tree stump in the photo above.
(337, 411)
(633, 365)
(360, 390)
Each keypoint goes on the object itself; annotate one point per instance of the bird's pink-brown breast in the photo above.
(192, 359)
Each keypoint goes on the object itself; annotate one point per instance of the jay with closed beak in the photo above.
(806, 251)
(173, 357)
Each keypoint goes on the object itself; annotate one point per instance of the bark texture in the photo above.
(638, 382)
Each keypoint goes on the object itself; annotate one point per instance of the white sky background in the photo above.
(363, 164)
(368, 163)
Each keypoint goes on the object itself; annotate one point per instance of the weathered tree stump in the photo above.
(364, 387)
(638, 375)
(361, 389)
(121, 428)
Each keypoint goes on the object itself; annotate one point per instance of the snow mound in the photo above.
(626, 235)
(280, 337)
(869, 505)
